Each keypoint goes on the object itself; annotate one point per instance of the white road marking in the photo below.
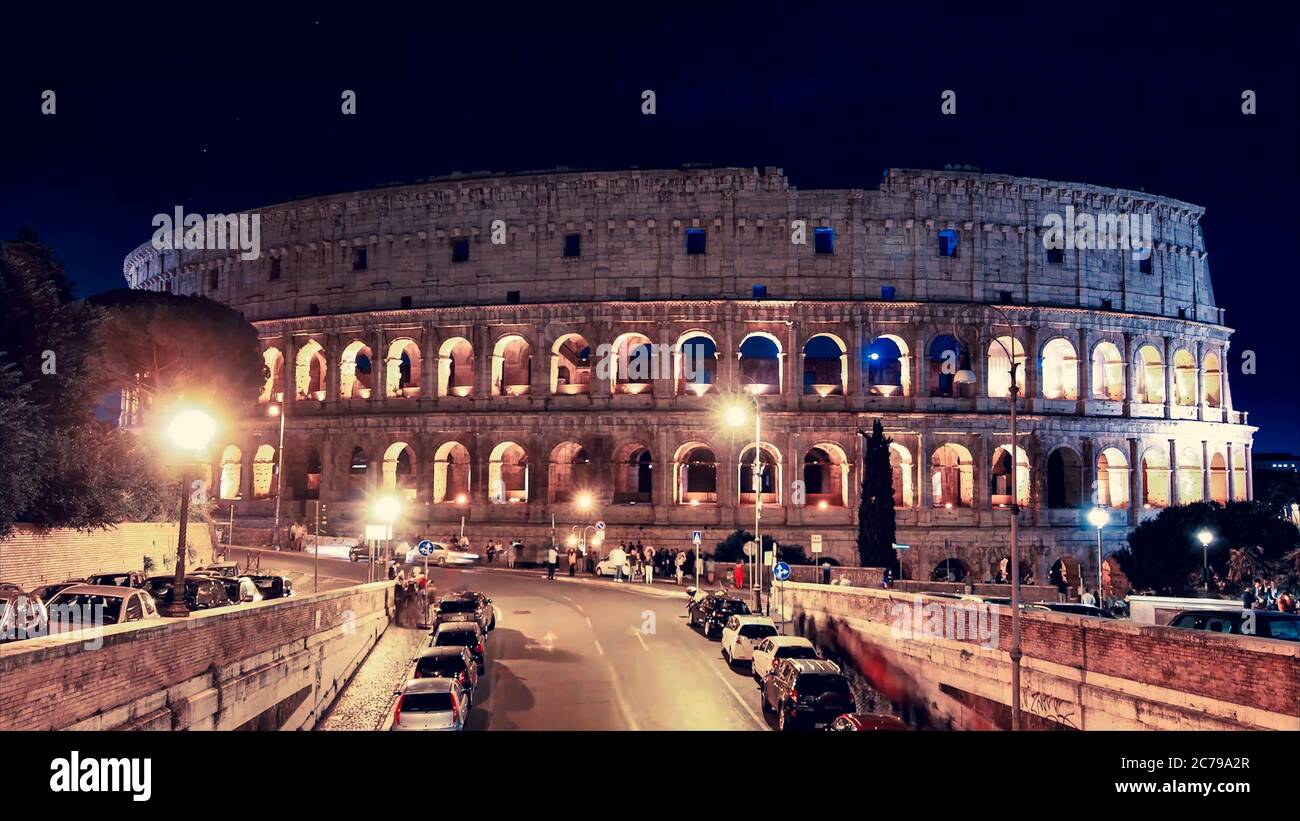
(599, 649)
(637, 633)
(589, 624)
(712, 666)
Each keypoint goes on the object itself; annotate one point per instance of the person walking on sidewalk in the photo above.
(738, 575)
(649, 565)
(552, 559)
(573, 562)
(681, 563)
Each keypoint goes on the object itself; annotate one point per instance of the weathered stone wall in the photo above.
(34, 556)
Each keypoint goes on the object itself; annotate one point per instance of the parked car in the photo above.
(466, 606)
(608, 566)
(712, 612)
(1077, 609)
(742, 633)
(430, 704)
(1267, 624)
(82, 605)
(219, 569)
(272, 586)
(441, 555)
(125, 578)
(201, 592)
(48, 591)
(771, 650)
(22, 615)
(806, 693)
(461, 634)
(449, 662)
(239, 589)
(865, 722)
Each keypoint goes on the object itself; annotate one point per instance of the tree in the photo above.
(732, 549)
(876, 526)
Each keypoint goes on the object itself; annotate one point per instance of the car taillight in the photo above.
(461, 677)
(397, 712)
(794, 696)
(479, 648)
(418, 674)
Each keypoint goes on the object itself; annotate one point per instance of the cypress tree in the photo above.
(876, 532)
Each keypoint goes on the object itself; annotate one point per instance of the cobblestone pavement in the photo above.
(367, 699)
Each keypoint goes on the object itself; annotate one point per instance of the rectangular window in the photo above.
(948, 242)
(886, 291)
(460, 250)
(406, 302)
(313, 309)
(1055, 256)
(360, 258)
(1004, 297)
(760, 292)
(214, 279)
(824, 240)
(275, 268)
(512, 297)
(633, 292)
(696, 241)
(573, 245)
(1145, 265)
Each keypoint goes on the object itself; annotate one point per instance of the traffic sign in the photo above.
(749, 548)
(600, 525)
(426, 547)
(898, 546)
(696, 537)
(781, 571)
(817, 543)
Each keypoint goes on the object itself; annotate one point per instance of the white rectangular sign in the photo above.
(817, 543)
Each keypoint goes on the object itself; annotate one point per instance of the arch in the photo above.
(273, 387)
(263, 471)
(358, 474)
(1107, 372)
(1066, 573)
(455, 367)
(1149, 379)
(696, 469)
(1239, 474)
(902, 473)
(826, 476)
(888, 366)
(403, 375)
(570, 472)
(633, 475)
(769, 462)
(451, 473)
(1064, 478)
(1112, 479)
(952, 476)
(1190, 487)
(571, 365)
(356, 371)
(508, 474)
(825, 365)
(309, 371)
(1155, 478)
(760, 363)
(1001, 351)
(1184, 378)
(949, 570)
(697, 363)
(400, 470)
(1218, 478)
(635, 364)
(1212, 381)
(1060, 369)
(232, 467)
(306, 484)
(512, 366)
(947, 355)
(1004, 488)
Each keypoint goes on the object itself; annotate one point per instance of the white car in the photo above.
(608, 566)
(771, 650)
(91, 605)
(431, 704)
(742, 633)
(441, 556)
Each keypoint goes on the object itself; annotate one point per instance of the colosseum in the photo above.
(467, 343)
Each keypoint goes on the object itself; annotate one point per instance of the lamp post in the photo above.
(461, 501)
(735, 417)
(190, 431)
(385, 511)
(278, 409)
(1205, 536)
(1098, 517)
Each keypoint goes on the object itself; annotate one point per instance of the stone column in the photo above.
(1232, 476)
(1173, 468)
(663, 470)
(1085, 370)
(430, 367)
(1130, 374)
(1170, 383)
(792, 367)
(665, 365)
(482, 342)
(289, 375)
(1205, 471)
(857, 345)
(1033, 367)
(922, 465)
(791, 470)
(1134, 482)
(920, 362)
(379, 365)
(1200, 387)
(333, 357)
(1089, 467)
(1250, 474)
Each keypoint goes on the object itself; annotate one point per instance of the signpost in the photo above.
(898, 549)
(426, 547)
(816, 543)
(780, 574)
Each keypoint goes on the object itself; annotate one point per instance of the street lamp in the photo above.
(461, 501)
(1098, 517)
(276, 409)
(385, 511)
(1205, 536)
(736, 415)
(190, 431)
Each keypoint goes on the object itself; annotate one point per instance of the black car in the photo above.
(201, 592)
(1265, 624)
(806, 693)
(1077, 609)
(465, 634)
(126, 578)
(466, 606)
(272, 586)
(711, 613)
(48, 591)
(449, 662)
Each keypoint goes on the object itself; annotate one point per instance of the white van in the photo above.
(1162, 609)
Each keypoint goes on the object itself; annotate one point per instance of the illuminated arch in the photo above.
(825, 365)
(273, 387)
(356, 371)
(571, 365)
(1184, 378)
(1003, 486)
(451, 473)
(826, 476)
(263, 471)
(633, 474)
(696, 470)
(1060, 370)
(761, 359)
(1107, 372)
(571, 471)
(508, 474)
(888, 366)
(695, 370)
(512, 366)
(1212, 381)
(903, 475)
(400, 470)
(1155, 478)
(952, 476)
(455, 367)
(403, 375)
(999, 365)
(1112, 479)
(232, 466)
(1149, 376)
(309, 371)
(635, 364)
(770, 477)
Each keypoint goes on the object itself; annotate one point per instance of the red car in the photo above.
(862, 722)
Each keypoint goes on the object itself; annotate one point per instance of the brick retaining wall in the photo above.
(36, 556)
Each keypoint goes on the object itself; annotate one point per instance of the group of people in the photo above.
(644, 562)
(291, 537)
(1261, 595)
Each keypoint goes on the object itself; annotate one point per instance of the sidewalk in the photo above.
(367, 699)
(661, 589)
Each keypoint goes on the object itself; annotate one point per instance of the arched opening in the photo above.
(1238, 475)
(1213, 380)
(231, 472)
(825, 476)
(309, 371)
(1060, 370)
(635, 365)
(769, 465)
(1155, 478)
(947, 356)
(1065, 574)
(1064, 479)
(902, 475)
(570, 472)
(760, 364)
(399, 471)
(456, 367)
(307, 485)
(1000, 353)
(571, 365)
(403, 374)
(949, 570)
(1190, 488)
(356, 371)
(1112, 479)
(512, 366)
(888, 367)
(952, 476)
(1150, 376)
(273, 387)
(508, 474)
(697, 362)
(697, 475)
(824, 371)
(451, 469)
(1184, 378)
(263, 471)
(358, 470)
(1004, 487)
(1218, 479)
(633, 475)
(1003, 575)
(1107, 372)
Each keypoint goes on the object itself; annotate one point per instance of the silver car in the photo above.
(430, 704)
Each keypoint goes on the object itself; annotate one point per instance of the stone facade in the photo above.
(492, 380)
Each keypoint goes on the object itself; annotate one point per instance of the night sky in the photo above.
(218, 111)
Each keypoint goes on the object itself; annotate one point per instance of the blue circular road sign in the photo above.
(426, 547)
(781, 571)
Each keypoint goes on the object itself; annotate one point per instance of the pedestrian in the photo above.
(738, 575)
(573, 562)
(650, 565)
(1088, 599)
(680, 561)
(1248, 598)
(552, 559)
(510, 556)
(826, 572)
(888, 579)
